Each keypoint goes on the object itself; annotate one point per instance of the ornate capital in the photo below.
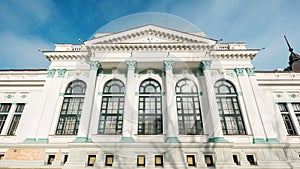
(168, 64)
(205, 64)
(250, 71)
(51, 72)
(61, 73)
(239, 71)
(131, 64)
(95, 65)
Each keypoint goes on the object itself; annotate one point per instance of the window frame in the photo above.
(146, 101)
(89, 162)
(111, 98)
(157, 163)
(230, 113)
(142, 164)
(183, 100)
(287, 119)
(193, 164)
(4, 111)
(71, 108)
(107, 163)
(16, 119)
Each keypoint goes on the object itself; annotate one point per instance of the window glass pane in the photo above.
(296, 107)
(288, 124)
(5, 107)
(14, 124)
(2, 121)
(282, 107)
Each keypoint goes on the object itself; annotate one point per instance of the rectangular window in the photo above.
(141, 161)
(4, 110)
(191, 160)
(109, 159)
(91, 160)
(1, 157)
(236, 159)
(251, 159)
(16, 119)
(50, 159)
(159, 160)
(209, 160)
(288, 124)
(65, 158)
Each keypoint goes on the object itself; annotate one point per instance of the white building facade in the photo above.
(150, 97)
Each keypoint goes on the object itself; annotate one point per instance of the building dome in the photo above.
(148, 18)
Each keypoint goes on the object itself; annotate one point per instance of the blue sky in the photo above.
(26, 26)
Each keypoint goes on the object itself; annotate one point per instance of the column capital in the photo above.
(205, 65)
(51, 72)
(61, 73)
(131, 64)
(250, 71)
(239, 71)
(95, 65)
(168, 64)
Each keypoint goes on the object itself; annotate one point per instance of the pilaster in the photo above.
(211, 117)
(48, 104)
(127, 116)
(264, 109)
(87, 108)
(251, 105)
(172, 119)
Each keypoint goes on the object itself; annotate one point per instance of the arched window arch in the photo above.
(112, 108)
(188, 108)
(229, 109)
(71, 109)
(150, 108)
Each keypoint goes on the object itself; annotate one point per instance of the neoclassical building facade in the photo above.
(150, 97)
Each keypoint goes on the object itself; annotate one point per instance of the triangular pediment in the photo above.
(150, 34)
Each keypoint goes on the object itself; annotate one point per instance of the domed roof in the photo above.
(148, 18)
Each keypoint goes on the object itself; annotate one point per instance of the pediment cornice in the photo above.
(167, 35)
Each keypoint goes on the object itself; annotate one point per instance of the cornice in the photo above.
(66, 55)
(150, 47)
(234, 54)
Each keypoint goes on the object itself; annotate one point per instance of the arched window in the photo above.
(71, 109)
(150, 108)
(112, 108)
(188, 108)
(229, 109)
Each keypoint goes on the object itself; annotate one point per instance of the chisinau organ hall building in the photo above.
(150, 97)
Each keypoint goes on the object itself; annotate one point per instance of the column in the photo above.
(264, 108)
(87, 108)
(211, 114)
(171, 111)
(128, 109)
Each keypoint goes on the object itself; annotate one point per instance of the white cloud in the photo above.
(22, 52)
